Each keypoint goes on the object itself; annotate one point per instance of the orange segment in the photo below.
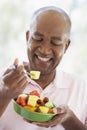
(30, 108)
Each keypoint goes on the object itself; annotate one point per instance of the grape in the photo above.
(37, 110)
(45, 100)
(41, 103)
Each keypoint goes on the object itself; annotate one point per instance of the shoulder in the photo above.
(70, 79)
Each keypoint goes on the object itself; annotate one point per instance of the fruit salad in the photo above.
(34, 102)
(34, 74)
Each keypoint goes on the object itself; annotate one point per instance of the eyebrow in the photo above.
(39, 34)
(57, 38)
(53, 37)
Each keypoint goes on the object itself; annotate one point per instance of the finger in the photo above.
(60, 110)
(27, 120)
(20, 69)
(63, 108)
(7, 71)
(15, 63)
(41, 125)
(53, 126)
(15, 75)
(22, 81)
(26, 66)
(12, 75)
(8, 76)
(19, 89)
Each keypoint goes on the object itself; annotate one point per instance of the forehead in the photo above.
(49, 22)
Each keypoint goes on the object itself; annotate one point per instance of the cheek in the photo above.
(29, 52)
(60, 51)
(60, 54)
(32, 45)
(29, 47)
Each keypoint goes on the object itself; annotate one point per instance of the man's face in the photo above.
(46, 44)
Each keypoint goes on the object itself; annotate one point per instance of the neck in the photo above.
(45, 80)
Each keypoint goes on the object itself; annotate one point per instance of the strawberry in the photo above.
(34, 92)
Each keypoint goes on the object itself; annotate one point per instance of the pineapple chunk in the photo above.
(44, 109)
(32, 100)
(34, 74)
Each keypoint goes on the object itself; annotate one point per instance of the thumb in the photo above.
(60, 110)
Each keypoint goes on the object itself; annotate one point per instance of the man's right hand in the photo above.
(15, 80)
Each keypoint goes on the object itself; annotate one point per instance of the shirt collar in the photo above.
(35, 84)
(61, 80)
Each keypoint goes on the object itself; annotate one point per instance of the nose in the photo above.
(45, 49)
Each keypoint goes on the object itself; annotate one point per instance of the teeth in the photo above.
(43, 59)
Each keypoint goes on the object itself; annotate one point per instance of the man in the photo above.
(47, 42)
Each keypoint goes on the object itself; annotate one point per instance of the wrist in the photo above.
(73, 123)
(4, 91)
(3, 87)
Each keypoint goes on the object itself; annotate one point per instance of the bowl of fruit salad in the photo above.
(33, 107)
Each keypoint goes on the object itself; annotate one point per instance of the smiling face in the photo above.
(47, 42)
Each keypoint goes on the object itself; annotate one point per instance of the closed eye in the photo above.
(37, 39)
(56, 41)
(55, 44)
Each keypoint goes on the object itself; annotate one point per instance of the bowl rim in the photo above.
(47, 114)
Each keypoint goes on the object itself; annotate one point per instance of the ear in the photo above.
(67, 44)
(27, 36)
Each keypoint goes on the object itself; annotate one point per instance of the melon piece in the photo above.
(32, 100)
(34, 74)
(44, 109)
(49, 104)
